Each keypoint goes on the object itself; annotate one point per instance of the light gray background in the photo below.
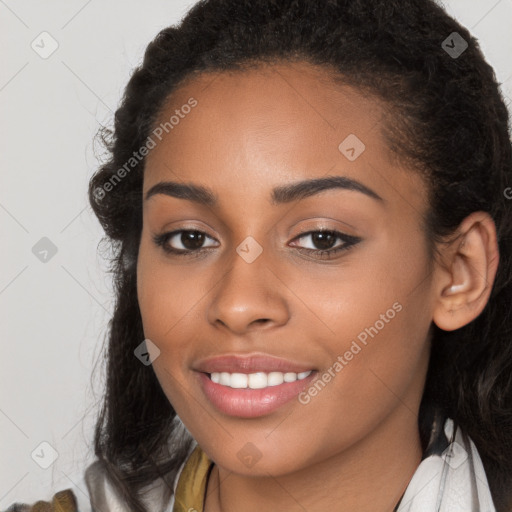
(54, 313)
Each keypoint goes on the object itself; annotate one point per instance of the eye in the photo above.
(190, 242)
(182, 242)
(326, 241)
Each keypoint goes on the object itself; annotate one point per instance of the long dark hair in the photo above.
(446, 119)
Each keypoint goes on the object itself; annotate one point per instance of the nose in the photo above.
(249, 296)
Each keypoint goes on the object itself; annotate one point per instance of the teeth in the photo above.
(275, 378)
(258, 380)
(238, 380)
(290, 377)
(225, 379)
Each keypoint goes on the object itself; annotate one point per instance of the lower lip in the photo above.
(252, 403)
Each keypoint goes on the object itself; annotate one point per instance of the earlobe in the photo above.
(468, 274)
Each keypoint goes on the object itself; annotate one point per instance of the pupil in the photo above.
(192, 239)
(323, 240)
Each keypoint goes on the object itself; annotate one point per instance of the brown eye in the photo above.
(323, 239)
(182, 242)
(192, 239)
(324, 242)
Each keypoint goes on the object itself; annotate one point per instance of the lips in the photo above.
(247, 402)
(250, 364)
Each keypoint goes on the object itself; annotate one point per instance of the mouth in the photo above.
(252, 385)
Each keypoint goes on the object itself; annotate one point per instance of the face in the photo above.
(256, 280)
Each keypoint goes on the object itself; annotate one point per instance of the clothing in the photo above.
(62, 501)
(450, 478)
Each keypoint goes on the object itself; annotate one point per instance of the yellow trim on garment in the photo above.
(191, 488)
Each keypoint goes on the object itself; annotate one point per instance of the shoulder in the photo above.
(451, 475)
(62, 501)
(103, 496)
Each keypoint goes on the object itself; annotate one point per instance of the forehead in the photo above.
(296, 99)
(256, 128)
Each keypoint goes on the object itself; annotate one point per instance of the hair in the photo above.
(447, 120)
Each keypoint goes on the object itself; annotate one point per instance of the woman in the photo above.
(313, 266)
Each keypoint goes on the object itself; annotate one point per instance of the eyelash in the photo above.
(161, 240)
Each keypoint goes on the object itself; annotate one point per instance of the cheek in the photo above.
(168, 296)
(166, 301)
(344, 299)
(374, 314)
(376, 365)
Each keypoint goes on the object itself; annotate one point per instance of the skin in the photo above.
(355, 445)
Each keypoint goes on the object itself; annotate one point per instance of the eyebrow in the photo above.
(280, 195)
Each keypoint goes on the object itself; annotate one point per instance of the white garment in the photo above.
(452, 480)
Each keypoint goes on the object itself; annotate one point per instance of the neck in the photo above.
(370, 476)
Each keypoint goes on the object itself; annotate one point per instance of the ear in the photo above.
(467, 274)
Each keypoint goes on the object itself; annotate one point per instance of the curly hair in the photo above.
(446, 119)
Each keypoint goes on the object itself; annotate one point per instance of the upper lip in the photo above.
(250, 364)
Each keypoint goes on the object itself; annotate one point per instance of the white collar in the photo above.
(451, 481)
